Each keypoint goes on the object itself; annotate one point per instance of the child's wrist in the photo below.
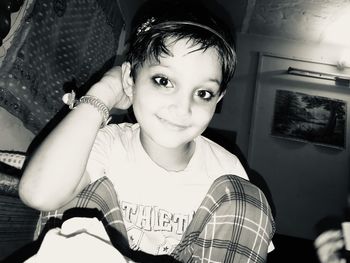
(98, 91)
(98, 105)
(91, 100)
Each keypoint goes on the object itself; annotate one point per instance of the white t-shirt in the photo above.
(157, 205)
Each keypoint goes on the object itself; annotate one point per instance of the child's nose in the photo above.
(181, 106)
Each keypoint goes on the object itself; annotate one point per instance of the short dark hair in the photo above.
(159, 20)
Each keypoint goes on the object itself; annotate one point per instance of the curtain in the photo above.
(61, 45)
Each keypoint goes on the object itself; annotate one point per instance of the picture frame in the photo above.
(309, 118)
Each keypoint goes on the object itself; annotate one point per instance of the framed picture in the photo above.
(303, 117)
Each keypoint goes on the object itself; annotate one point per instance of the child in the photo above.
(179, 193)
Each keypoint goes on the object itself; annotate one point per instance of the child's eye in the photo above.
(163, 81)
(205, 94)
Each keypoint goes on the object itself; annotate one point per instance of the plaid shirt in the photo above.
(233, 223)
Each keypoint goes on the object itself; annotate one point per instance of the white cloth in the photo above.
(79, 240)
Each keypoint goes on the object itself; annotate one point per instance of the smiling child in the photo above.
(179, 193)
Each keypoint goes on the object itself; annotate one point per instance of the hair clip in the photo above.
(145, 26)
(69, 99)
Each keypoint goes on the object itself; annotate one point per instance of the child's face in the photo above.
(174, 100)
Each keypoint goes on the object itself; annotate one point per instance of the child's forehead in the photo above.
(183, 47)
(186, 58)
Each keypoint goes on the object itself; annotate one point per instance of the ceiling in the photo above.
(316, 21)
(319, 21)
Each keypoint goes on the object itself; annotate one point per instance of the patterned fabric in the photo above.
(61, 45)
(13, 158)
(233, 224)
(11, 163)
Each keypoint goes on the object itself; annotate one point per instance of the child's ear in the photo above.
(127, 80)
(221, 96)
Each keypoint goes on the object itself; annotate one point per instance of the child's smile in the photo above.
(172, 125)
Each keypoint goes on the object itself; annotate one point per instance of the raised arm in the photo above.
(56, 171)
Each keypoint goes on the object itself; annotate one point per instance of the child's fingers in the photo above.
(115, 71)
(124, 95)
(113, 78)
(124, 103)
(328, 245)
(110, 89)
(328, 252)
(327, 237)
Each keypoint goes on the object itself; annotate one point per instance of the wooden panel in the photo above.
(17, 224)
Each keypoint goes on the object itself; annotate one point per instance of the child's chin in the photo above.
(168, 142)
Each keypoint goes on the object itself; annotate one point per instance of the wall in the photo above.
(304, 188)
(237, 107)
(13, 135)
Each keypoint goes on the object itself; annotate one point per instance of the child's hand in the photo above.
(111, 91)
(328, 245)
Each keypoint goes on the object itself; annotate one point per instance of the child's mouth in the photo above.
(172, 125)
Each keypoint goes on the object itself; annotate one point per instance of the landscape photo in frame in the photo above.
(309, 118)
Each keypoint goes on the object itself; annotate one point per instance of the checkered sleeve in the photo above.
(233, 224)
(98, 199)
